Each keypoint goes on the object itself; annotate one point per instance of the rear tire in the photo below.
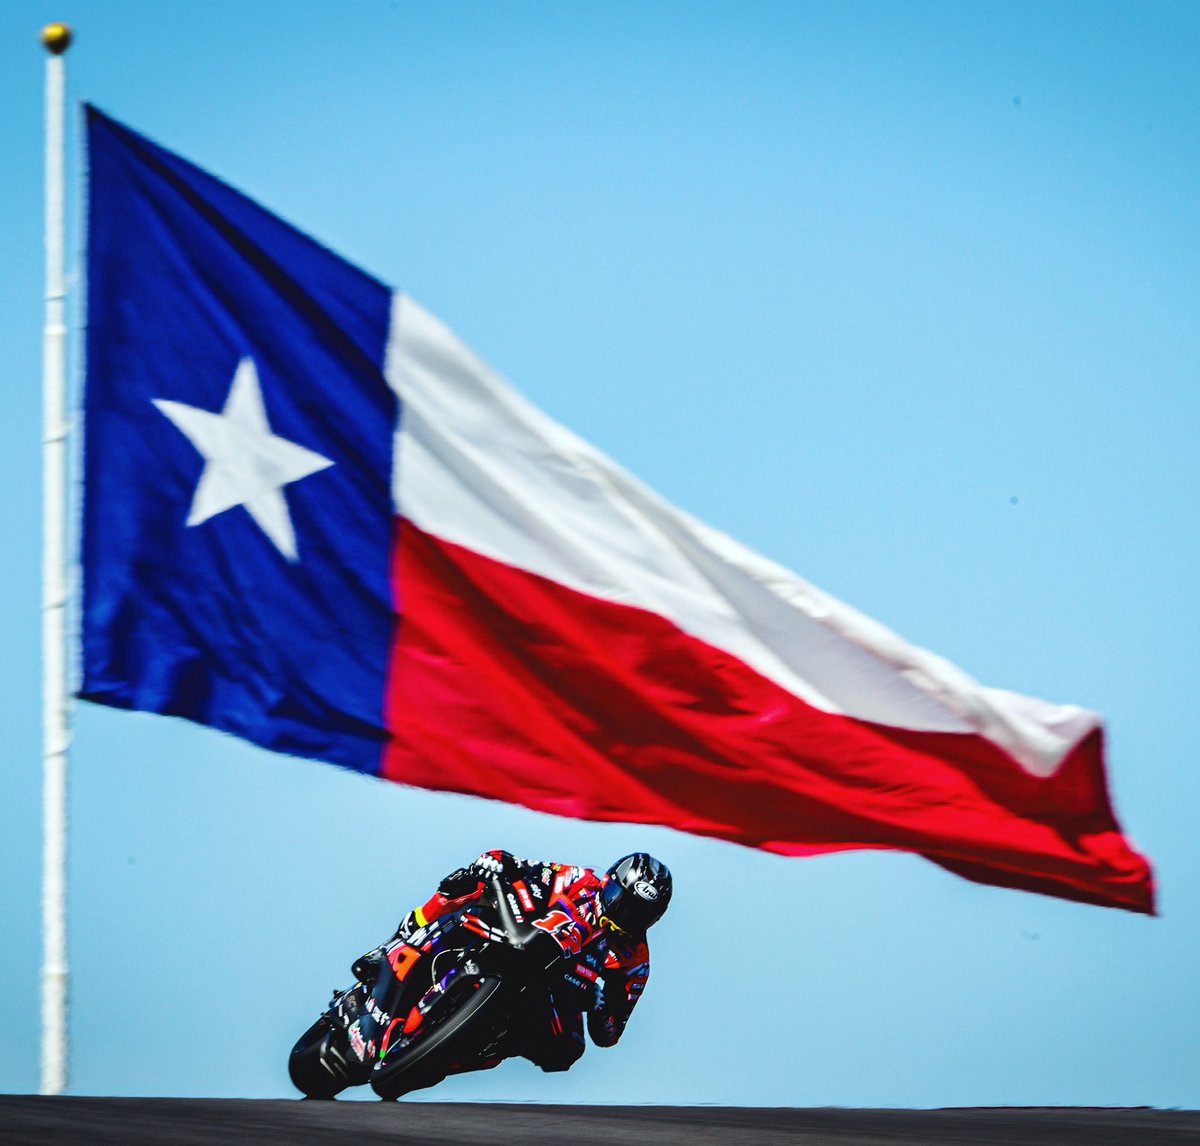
(457, 1037)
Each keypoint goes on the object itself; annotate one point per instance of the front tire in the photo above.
(317, 1065)
(464, 1032)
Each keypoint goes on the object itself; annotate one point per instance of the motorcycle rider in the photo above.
(601, 922)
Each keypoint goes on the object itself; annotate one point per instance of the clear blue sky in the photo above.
(902, 294)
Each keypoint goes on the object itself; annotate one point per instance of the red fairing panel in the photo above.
(507, 685)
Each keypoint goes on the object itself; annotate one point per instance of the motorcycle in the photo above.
(450, 997)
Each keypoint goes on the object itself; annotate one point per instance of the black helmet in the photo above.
(636, 891)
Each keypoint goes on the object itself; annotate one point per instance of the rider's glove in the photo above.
(466, 880)
(460, 883)
(491, 863)
(497, 862)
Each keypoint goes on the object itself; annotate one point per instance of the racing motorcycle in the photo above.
(450, 997)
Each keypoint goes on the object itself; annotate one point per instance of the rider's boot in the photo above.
(366, 967)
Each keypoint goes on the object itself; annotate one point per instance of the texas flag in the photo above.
(315, 519)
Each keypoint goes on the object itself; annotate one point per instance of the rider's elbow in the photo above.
(605, 1029)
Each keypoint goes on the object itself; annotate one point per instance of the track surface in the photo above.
(192, 1122)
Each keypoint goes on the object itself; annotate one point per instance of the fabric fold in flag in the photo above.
(315, 519)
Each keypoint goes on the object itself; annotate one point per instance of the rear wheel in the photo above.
(456, 1038)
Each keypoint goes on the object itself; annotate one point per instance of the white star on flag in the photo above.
(245, 464)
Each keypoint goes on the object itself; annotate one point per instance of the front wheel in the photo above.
(318, 1066)
(462, 1033)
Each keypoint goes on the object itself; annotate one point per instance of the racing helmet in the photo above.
(636, 892)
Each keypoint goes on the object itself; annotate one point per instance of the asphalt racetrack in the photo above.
(198, 1122)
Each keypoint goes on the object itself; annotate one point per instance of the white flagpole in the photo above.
(56, 725)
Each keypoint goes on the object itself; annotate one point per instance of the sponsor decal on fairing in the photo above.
(523, 892)
(357, 1045)
(378, 1013)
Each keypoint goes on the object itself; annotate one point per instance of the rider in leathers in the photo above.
(601, 922)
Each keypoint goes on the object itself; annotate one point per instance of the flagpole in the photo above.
(55, 718)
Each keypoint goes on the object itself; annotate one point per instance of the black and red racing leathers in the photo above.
(610, 966)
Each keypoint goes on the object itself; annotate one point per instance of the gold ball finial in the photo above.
(57, 38)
